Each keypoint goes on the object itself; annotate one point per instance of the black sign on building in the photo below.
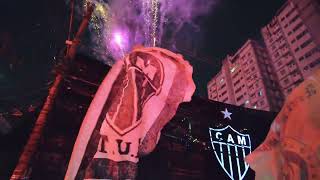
(207, 140)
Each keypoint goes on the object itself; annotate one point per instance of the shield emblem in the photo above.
(141, 78)
(230, 148)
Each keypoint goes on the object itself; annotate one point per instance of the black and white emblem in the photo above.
(230, 148)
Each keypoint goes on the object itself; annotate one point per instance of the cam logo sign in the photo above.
(230, 148)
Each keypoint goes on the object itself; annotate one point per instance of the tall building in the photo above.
(293, 42)
(246, 79)
(310, 14)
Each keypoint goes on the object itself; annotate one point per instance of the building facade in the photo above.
(292, 39)
(310, 14)
(247, 79)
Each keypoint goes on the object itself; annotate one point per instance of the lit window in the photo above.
(255, 107)
(221, 81)
(247, 102)
(260, 93)
(233, 69)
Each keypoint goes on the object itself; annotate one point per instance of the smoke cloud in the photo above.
(138, 22)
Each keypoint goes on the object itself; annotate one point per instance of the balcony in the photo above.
(286, 82)
(296, 77)
(284, 51)
(292, 67)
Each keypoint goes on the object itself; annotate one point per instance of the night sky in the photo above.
(35, 32)
(232, 22)
(229, 25)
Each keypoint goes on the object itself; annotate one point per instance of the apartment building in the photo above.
(220, 86)
(246, 79)
(310, 14)
(292, 40)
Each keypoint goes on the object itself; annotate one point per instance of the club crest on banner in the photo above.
(230, 148)
(144, 79)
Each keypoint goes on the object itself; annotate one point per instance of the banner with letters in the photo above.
(139, 95)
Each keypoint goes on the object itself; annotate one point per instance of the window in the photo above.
(246, 72)
(233, 69)
(293, 19)
(239, 98)
(246, 102)
(260, 93)
(293, 41)
(235, 75)
(286, 81)
(289, 13)
(297, 27)
(255, 77)
(311, 52)
(237, 82)
(283, 71)
(314, 63)
(306, 43)
(294, 74)
(297, 49)
(291, 63)
(262, 102)
(225, 92)
(238, 90)
(251, 87)
(225, 100)
(299, 36)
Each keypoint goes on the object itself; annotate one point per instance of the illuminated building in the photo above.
(293, 41)
(246, 79)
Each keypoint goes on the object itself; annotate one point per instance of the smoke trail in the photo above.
(176, 13)
(146, 22)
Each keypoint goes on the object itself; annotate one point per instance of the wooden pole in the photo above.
(23, 168)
